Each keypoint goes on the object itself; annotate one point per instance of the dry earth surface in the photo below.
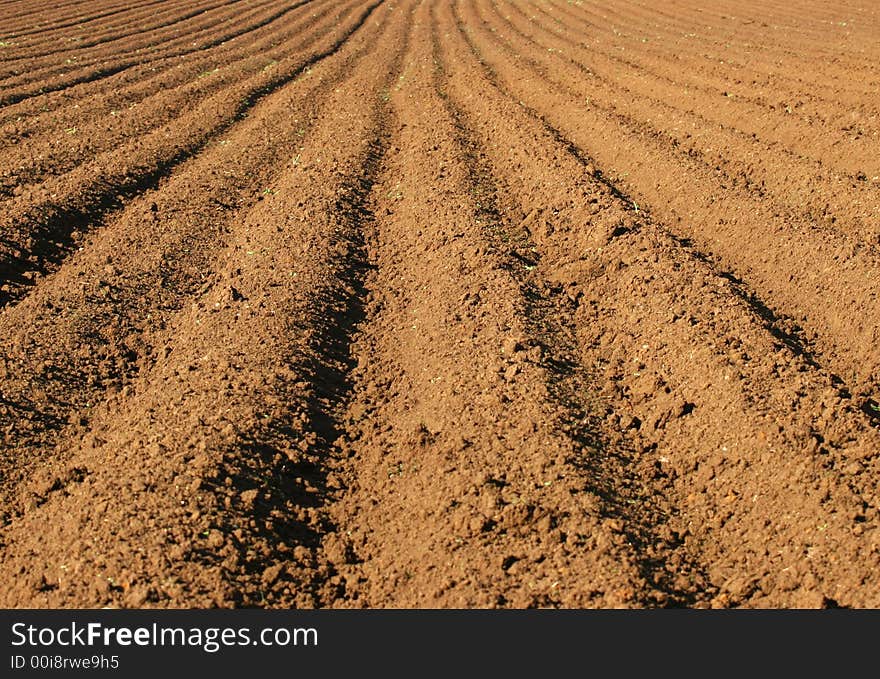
(473, 303)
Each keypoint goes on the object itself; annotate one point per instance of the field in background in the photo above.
(452, 304)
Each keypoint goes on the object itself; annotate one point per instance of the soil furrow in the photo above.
(608, 467)
(18, 119)
(707, 38)
(210, 22)
(151, 15)
(746, 81)
(787, 115)
(751, 150)
(38, 27)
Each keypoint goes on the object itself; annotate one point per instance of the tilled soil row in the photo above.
(460, 487)
(708, 31)
(33, 18)
(131, 70)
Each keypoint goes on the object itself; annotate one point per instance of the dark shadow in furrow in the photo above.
(871, 408)
(108, 71)
(51, 228)
(337, 313)
(330, 366)
(793, 339)
(97, 74)
(609, 470)
(17, 411)
(772, 321)
(331, 363)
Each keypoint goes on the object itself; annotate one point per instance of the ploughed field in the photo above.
(474, 303)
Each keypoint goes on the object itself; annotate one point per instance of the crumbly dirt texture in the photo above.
(474, 303)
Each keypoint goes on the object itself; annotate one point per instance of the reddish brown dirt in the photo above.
(344, 303)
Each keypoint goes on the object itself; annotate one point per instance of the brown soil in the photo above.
(345, 303)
